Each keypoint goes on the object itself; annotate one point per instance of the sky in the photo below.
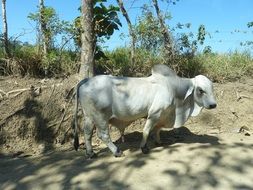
(225, 16)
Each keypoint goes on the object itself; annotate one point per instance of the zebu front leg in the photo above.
(149, 125)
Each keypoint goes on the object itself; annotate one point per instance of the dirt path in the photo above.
(187, 161)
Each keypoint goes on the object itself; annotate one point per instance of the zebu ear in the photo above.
(189, 91)
(194, 106)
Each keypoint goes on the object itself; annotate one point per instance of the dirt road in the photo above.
(187, 161)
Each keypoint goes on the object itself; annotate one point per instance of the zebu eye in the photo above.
(201, 91)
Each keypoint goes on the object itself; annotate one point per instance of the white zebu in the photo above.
(163, 98)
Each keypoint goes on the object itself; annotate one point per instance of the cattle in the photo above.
(163, 98)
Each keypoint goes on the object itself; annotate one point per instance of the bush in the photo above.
(118, 63)
(59, 63)
(27, 60)
(24, 61)
(218, 67)
(227, 66)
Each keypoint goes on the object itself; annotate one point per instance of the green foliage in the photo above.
(207, 49)
(26, 60)
(187, 61)
(59, 63)
(188, 43)
(118, 62)
(149, 36)
(148, 32)
(219, 67)
(201, 34)
(227, 66)
(250, 24)
(248, 43)
(105, 19)
(54, 26)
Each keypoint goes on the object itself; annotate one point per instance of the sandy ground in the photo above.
(213, 151)
(191, 162)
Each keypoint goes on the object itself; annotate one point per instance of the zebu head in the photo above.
(203, 92)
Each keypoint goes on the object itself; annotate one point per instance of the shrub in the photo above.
(59, 63)
(227, 66)
(27, 60)
(219, 67)
(118, 63)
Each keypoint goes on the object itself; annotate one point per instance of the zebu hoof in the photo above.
(91, 155)
(118, 153)
(158, 144)
(145, 149)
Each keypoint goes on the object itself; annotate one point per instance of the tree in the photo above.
(131, 30)
(48, 26)
(168, 44)
(148, 32)
(188, 43)
(43, 27)
(250, 24)
(5, 30)
(88, 39)
(248, 43)
(97, 22)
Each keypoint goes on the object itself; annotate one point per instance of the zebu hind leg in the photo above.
(88, 132)
(156, 132)
(121, 126)
(101, 123)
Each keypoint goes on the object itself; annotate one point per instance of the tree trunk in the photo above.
(88, 40)
(43, 28)
(167, 38)
(5, 30)
(131, 31)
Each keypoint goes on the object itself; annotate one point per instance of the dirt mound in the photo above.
(34, 113)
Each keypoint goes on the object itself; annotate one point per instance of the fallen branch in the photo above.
(50, 95)
(242, 96)
(17, 94)
(239, 97)
(3, 92)
(65, 135)
(58, 122)
(32, 88)
(64, 114)
(70, 92)
(11, 115)
(17, 90)
(221, 94)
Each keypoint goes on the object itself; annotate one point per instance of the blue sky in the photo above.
(224, 16)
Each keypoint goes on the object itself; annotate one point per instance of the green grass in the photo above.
(27, 60)
(219, 67)
(230, 66)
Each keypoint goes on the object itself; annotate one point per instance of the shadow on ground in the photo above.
(185, 161)
(168, 138)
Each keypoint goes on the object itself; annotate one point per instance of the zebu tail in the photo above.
(76, 138)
